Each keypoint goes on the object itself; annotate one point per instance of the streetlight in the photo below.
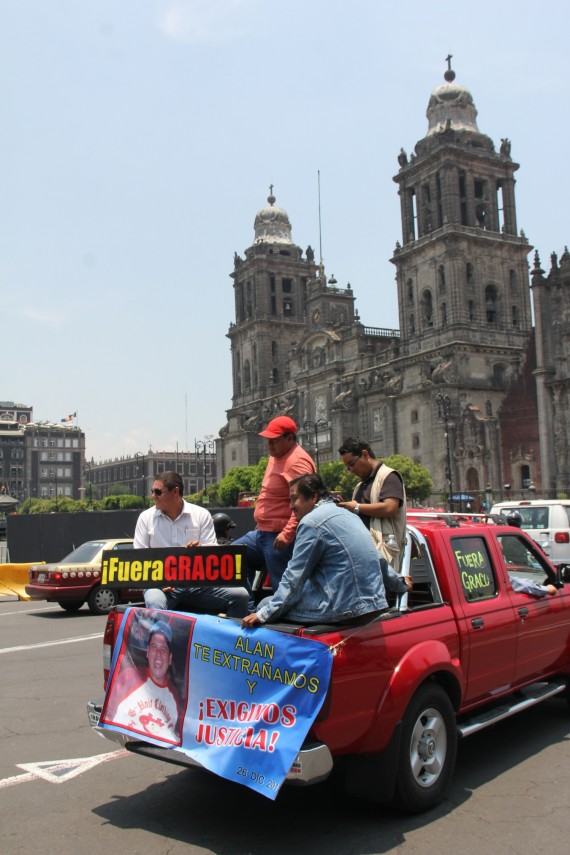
(87, 471)
(318, 425)
(140, 456)
(203, 446)
(444, 411)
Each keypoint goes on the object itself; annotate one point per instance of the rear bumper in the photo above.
(58, 593)
(312, 764)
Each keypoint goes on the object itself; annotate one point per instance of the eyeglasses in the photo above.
(156, 492)
(351, 463)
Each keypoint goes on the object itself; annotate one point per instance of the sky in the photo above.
(139, 139)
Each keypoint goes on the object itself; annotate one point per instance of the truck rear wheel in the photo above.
(102, 600)
(428, 749)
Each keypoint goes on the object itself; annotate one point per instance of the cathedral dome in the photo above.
(451, 106)
(272, 223)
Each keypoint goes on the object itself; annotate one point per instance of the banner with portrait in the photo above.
(237, 701)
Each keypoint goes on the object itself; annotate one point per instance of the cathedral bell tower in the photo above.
(462, 270)
(463, 291)
(270, 288)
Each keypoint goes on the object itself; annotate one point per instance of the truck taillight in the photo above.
(108, 637)
(561, 537)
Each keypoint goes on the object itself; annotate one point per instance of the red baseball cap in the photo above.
(279, 426)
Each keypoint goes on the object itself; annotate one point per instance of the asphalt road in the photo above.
(65, 790)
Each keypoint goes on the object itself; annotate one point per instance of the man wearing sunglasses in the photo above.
(175, 522)
(379, 499)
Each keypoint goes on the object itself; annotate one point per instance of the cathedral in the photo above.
(466, 386)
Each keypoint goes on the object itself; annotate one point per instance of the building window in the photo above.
(414, 417)
(427, 308)
(415, 440)
(491, 303)
(287, 308)
(287, 286)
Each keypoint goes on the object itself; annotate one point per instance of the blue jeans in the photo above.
(234, 602)
(261, 555)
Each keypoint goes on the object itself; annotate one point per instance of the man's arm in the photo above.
(527, 586)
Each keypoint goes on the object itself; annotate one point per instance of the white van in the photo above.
(546, 521)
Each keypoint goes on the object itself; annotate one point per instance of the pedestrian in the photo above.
(379, 498)
(270, 544)
(175, 522)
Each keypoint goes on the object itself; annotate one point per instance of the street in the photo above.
(64, 789)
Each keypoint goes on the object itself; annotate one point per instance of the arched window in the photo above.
(491, 301)
(427, 308)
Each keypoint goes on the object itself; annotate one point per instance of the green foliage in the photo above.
(128, 502)
(238, 480)
(416, 477)
(338, 479)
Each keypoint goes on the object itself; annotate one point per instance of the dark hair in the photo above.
(355, 445)
(308, 485)
(162, 628)
(171, 480)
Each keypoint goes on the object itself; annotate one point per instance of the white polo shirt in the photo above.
(156, 529)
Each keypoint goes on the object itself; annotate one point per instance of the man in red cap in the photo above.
(270, 545)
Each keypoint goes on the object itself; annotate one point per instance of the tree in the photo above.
(238, 480)
(416, 477)
(338, 479)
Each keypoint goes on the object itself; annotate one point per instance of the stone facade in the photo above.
(440, 389)
(551, 300)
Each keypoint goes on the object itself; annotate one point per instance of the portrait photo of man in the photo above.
(147, 694)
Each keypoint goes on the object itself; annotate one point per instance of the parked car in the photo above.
(75, 579)
(547, 521)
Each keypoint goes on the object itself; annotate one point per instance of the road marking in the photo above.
(27, 611)
(51, 643)
(59, 771)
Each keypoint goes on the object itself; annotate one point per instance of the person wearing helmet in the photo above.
(223, 525)
(514, 519)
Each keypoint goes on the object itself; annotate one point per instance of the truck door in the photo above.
(489, 628)
(543, 627)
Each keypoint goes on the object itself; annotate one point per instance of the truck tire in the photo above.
(71, 605)
(102, 600)
(428, 750)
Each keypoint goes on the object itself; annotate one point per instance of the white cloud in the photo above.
(44, 317)
(205, 21)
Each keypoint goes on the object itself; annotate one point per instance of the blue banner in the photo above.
(238, 701)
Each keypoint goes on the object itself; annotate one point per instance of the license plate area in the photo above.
(42, 577)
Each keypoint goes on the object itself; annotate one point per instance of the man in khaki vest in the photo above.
(379, 498)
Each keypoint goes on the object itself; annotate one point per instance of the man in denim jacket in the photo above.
(334, 574)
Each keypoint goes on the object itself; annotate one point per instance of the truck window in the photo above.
(520, 559)
(474, 568)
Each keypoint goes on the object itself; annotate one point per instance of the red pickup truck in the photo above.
(460, 652)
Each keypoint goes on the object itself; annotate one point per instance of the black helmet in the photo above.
(514, 518)
(222, 522)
